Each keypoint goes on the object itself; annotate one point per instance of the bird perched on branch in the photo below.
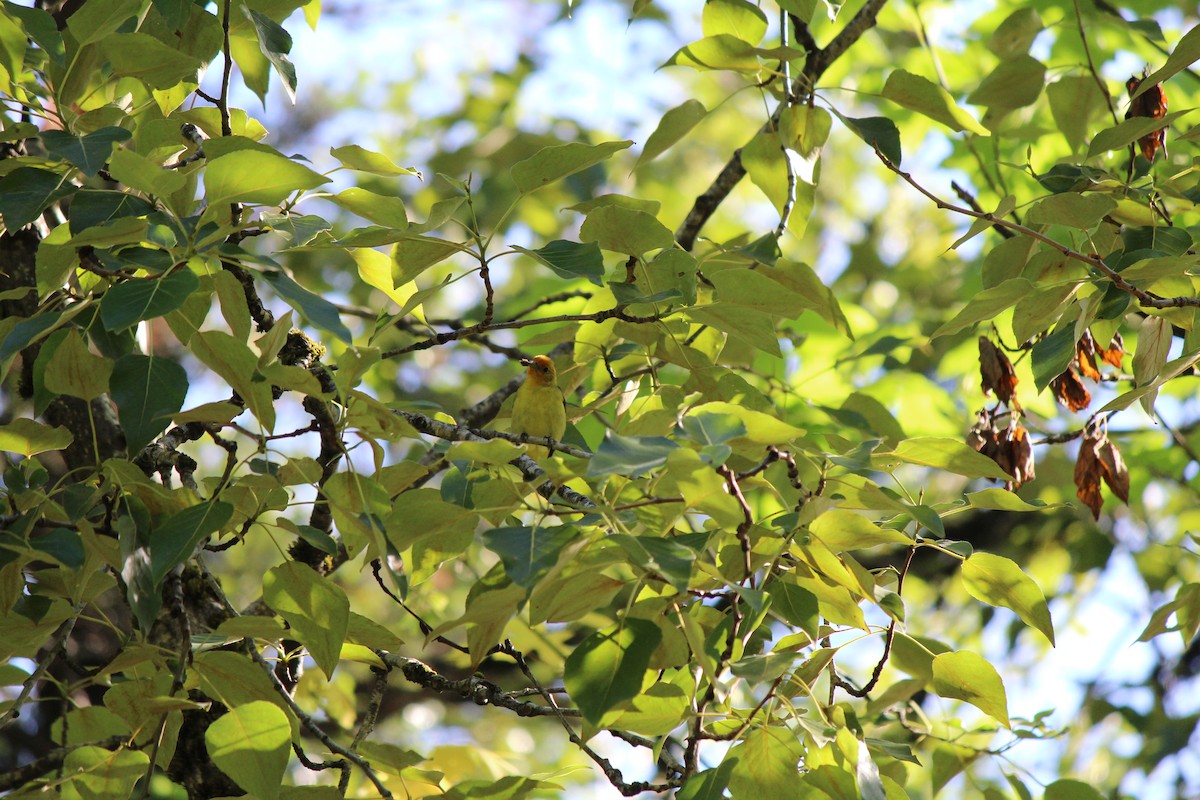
(539, 408)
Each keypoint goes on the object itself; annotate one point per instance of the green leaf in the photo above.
(26, 192)
(607, 668)
(655, 712)
(1129, 131)
(256, 177)
(129, 303)
(357, 158)
(275, 43)
(96, 19)
(740, 322)
(1186, 53)
(842, 530)
(570, 260)
(723, 51)
(870, 785)
(630, 455)
(963, 675)
(878, 132)
(945, 454)
(141, 56)
(40, 27)
(64, 546)
(674, 125)
(765, 765)
(1073, 100)
(415, 254)
(918, 93)
(29, 437)
(558, 161)
(381, 209)
(1013, 84)
(1003, 500)
(1050, 357)
(664, 556)
(734, 17)
(529, 553)
(138, 172)
(238, 366)
(314, 606)
(1081, 211)
(90, 152)
(1013, 37)
(173, 540)
(147, 391)
(797, 605)
(1068, 789)
(986, 305)
(314, 307)
(625, 230)
(252, 745)
(74, 370)
(709, 784)
(768, 166)
(98, 774)
(998, 581)
(1153, 345)
(91, 207)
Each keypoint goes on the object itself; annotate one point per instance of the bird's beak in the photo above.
(526, 362)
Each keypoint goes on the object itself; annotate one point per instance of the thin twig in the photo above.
(312, 727)
(1087, 52)
(1144, 298)
(56, 641)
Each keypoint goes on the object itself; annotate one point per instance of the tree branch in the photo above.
(815, 65)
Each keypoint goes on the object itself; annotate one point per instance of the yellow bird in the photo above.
(539, 409)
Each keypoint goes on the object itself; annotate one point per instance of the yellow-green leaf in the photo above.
(998, 581)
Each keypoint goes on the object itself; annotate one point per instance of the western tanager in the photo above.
(539, 409)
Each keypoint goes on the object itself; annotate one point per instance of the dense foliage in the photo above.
(877, 350)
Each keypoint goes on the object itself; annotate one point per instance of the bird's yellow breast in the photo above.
(539, 411)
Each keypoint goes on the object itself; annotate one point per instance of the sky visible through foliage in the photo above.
(600, 68)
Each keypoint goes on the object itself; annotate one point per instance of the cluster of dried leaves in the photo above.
(1068, 387)
(1009, 446)
(1099, 459)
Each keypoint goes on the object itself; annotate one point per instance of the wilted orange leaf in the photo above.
(1113, 469)
(1151, 103)
(1070, 391)
(1115, 351)
(1085, 356)
(1087, 476)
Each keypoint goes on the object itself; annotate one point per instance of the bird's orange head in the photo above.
(541, 370)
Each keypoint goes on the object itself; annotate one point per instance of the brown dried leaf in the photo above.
(1085, 357)
(1070, 391)
(1152, 103)
(1088, 475)
(1020, 454)
(997, 373)
(1113, 469)
(1115, 351)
